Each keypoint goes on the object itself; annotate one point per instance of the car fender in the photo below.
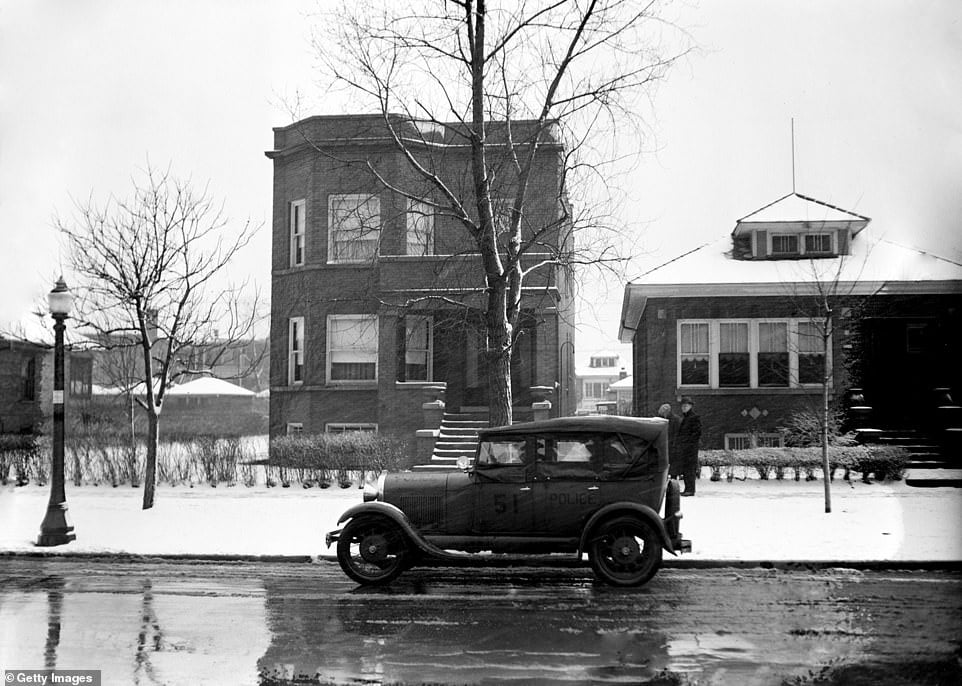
(615, 509)
(396, 515)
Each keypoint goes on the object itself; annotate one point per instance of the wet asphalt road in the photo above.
(242, 623)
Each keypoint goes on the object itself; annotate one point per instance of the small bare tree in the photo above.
(500, 83)
(821, 291)
(151, 277)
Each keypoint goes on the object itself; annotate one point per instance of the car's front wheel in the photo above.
(373, 550)
(625, 551)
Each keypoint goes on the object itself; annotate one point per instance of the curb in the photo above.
(780, 565)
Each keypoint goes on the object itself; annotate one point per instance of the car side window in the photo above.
(572, 457)
(501, 453)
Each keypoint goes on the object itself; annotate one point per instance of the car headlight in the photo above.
(374, 490)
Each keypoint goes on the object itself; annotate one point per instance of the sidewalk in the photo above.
(747, 522)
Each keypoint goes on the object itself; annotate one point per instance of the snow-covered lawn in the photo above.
(750, 520)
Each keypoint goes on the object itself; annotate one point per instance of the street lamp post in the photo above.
(56, 528)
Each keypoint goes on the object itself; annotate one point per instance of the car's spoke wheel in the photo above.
(625, 551)
(372, 550)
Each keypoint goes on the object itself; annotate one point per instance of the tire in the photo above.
(625, 551)
(373, 550)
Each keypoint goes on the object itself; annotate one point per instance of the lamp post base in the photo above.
(56, 528)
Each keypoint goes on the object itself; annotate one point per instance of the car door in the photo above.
(566, 490)
(503, 494)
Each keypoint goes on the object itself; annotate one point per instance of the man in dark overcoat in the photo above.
(674, 462)
(689, 436)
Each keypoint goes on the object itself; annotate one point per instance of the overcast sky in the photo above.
(90, 89)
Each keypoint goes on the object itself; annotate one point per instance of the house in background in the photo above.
(376, 294)
(26, 377)
(603, 369)
(737, 325)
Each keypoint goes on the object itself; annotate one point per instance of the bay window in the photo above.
(773, 354)
(416, 349)
(733, 358)
(295, 351)
(811, 353)
(297, 230)
(420, 228)
(354, 227)
(351, 348)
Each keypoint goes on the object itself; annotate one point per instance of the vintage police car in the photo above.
(573, 485)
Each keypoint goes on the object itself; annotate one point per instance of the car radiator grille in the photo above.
(423, 510)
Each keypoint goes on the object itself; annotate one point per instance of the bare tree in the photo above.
(502, 82)
(151, 275)
(824, 291)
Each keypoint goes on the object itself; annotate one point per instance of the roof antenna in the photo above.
(793, 155)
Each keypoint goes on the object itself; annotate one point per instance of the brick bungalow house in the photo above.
(375, 295)
(737, 324)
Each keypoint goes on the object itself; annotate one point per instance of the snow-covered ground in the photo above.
(749, 520)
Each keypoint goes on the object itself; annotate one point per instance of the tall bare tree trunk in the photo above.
(826, 379)
(150, 471)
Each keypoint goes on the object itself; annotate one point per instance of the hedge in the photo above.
(352, 450)
(884, 462)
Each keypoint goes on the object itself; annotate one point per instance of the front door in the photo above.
(900, 368)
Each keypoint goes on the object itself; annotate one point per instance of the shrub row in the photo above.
(884, 462)
(358, 451)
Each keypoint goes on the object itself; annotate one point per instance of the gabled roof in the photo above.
(803, 211)
(208, 386)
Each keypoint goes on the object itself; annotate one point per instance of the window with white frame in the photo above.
(297, 224)
(694, 368)
(594, 389)
(811, 353)
(818, 243)
(354, 227)
(753, 440)
(295, 428)
(734, 364)
(416, 349)
(351, 348)
(420, 228)
(295, 350)
(784, 244)
(342, 427)
(773, 358)
(753, 353)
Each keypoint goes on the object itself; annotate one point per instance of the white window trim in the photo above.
(295, 334)
(343, 427)
(414, 214)
(295, 428)
(377, 353)
(714, 341)
(771, 242)
(430, 350)
(297, 232)
(712, 345)
(352, 197)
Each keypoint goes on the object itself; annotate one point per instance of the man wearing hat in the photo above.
(689, 435)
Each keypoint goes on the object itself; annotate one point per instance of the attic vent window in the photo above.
(785, 244)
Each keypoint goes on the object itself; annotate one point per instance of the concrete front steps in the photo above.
(458, 438)
(932, 463)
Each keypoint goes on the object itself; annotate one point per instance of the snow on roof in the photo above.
(869, 261)
(209, 386)
(796, 207)
(625, 384)
(874, 266)
(38, 330)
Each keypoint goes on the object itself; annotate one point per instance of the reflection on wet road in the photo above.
(147, 623)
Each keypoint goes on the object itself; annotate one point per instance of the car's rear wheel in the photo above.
(373, 550)
(625, 551)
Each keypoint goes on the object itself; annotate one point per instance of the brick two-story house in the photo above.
(737, 324)
(376, 294)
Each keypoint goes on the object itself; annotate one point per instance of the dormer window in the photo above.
(784, 244)
(818, 243)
